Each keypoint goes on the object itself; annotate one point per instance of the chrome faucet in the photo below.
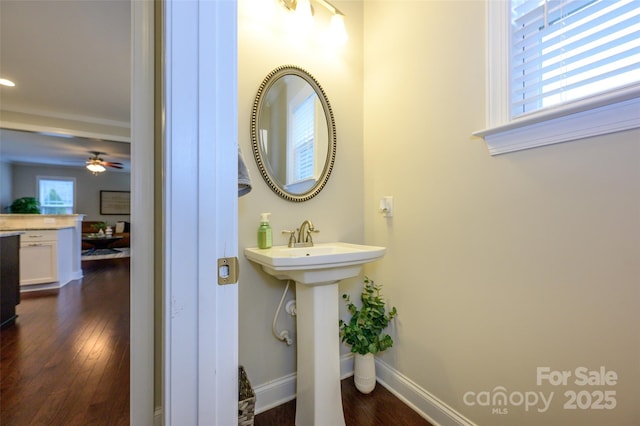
(304, 235)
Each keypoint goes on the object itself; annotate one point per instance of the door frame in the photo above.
(141, 361)
(200, 327)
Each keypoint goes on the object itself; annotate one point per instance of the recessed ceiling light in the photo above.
(5, 82)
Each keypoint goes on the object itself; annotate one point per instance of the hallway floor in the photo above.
(379, 408)
(66, 360)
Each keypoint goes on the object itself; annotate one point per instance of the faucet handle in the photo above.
(309, 239)
(292, 237)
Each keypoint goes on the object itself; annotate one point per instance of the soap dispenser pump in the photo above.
(264, 232)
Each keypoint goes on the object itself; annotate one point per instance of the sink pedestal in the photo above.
(319, 399)
(316, 271)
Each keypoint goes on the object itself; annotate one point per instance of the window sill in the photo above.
(615, 114)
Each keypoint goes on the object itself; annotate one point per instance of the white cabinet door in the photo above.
(38, 263)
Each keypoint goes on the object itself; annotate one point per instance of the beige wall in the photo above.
(264, 44)
(497, 265)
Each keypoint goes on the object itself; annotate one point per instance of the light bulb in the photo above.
(338, 30)
(5, 82)
(96, 168)
(303, 12)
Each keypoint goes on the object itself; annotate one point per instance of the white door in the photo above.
(200, 171)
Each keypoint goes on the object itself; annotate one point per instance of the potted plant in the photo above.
(99, 229)
(364, 333)
(25, 205)
(99, 226)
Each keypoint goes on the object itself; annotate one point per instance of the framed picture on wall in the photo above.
(115, 202)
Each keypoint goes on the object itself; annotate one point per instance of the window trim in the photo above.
(610, 112)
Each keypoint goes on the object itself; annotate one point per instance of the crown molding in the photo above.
(65, 125)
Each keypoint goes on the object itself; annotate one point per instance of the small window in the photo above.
(56, 195)
(560, 70)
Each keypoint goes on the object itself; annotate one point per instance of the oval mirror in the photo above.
(293, 133)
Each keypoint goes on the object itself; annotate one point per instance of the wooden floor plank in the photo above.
(66, 361)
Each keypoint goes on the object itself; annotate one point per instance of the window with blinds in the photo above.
(566, 50)
(56, 194)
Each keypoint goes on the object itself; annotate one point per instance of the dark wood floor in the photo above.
(66, 360)
(379, 408)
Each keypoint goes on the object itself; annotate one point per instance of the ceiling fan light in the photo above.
(5, 82)
(96, 168)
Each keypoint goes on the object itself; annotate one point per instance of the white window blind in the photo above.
(566, 50)
(303, 139)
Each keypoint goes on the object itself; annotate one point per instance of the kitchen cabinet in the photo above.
(9, 277)
(45, 257)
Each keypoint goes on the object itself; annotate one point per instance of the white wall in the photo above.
(497, 265)
(88, 187)
(264, 44)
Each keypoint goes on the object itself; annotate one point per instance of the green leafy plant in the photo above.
(98, 226)
(364, 331)
(25, 205)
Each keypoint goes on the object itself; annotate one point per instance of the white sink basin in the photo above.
(322, 263)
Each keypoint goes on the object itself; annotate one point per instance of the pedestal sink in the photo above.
(316, 271)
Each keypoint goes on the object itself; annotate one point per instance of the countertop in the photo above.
(10, 233)
(37, 228)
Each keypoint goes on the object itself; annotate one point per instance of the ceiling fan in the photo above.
(97, 165)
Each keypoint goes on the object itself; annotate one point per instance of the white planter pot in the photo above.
(364, 372)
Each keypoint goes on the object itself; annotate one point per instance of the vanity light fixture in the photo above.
(304, 9)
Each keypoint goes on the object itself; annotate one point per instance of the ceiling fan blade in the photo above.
(111, 163)
(114, 166)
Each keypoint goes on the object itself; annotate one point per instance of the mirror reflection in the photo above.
(293, 134)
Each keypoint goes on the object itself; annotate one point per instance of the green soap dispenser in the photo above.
(264, 232)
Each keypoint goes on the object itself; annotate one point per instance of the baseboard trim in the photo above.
(275, 392)
(283, 389)
(421, 401)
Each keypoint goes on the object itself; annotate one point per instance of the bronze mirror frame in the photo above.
(260, 159)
